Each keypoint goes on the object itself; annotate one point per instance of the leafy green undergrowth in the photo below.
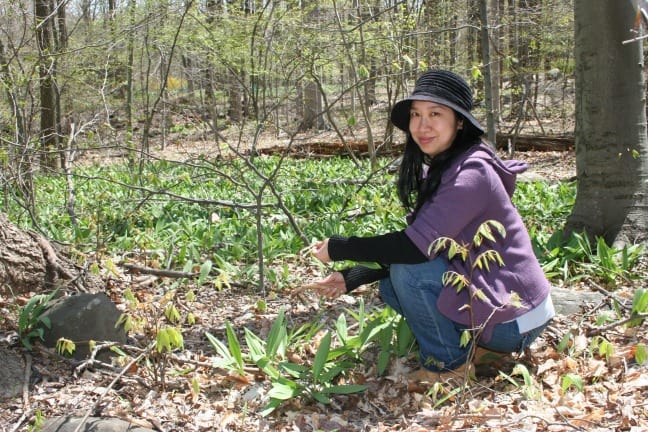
(184, 214)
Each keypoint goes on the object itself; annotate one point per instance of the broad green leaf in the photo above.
(221, 349)
(191, 296)
(234, 344)
(341, 328)
(171, 313)
(205, 269)
(162, 341)
(266, 366)
(284, 390)
(383, 361)
(293, 369)
(168, 339)
(277, 335)
(321, 398)
(255, 344)
(271, 406)
(321, 356)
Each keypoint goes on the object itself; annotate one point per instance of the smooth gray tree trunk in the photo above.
(610, 134)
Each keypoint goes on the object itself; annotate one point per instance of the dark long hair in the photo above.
(415, 187)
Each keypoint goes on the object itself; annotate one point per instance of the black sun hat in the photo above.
(440, 86)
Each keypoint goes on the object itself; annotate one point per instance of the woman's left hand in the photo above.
(332, 286)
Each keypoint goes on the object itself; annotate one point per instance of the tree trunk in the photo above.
(610, 134)
(48, 128)
(130, 50)
(29, 263)
(491, 127)
(312, 112)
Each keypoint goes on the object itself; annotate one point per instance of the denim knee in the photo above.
(414, 290)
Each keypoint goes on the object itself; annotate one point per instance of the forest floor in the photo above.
(612, 398)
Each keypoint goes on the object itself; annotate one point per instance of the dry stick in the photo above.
(610, 295)
(25, 393)
(159, 272)
(168, 273)
(595, 331)
(112, 384)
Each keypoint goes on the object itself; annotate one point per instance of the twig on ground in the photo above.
(168, 273)
(595, 331)
(25, 394)
(610, 295)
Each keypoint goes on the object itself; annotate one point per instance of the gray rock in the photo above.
(571, 301)
(530, 177)
(82, 318)
(12, 373)
(92, 424)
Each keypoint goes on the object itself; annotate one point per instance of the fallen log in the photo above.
(360, 147)
(535, 142)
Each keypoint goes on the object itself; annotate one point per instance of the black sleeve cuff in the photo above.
(361, 275)
(391, 248)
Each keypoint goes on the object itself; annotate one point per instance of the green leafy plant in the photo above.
(231, 357)
(66, 346)
(482, 261)
(528, 387)
(639, 306)
(288, 379)
(39, 422)
(571, 380)
(159, 324)
(576, 258)
(315, 382)
(169, 339)
(31, 321)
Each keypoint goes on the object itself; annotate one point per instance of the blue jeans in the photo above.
(413, 289)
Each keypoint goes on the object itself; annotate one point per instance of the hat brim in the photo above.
(400, 112)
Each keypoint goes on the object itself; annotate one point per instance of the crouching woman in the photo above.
(450, 182)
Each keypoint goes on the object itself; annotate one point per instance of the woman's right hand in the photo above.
(320, 251)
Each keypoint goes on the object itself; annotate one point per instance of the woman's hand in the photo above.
(320, 251)
(331, 286)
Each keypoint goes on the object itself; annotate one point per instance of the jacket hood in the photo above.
(506, 169)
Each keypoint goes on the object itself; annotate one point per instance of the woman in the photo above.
(450, 182)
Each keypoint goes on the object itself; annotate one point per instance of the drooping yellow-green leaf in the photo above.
(65, 346)
(171, 313)
(480, 295)
(465, 338)
(641, 354)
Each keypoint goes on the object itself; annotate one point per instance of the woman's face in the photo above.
(433, 126)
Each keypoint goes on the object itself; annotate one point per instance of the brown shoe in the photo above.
(483, 355)
(488, 363)
(428, 377)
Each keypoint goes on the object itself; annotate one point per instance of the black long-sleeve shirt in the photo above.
(386, 249)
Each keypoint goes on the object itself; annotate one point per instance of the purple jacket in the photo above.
(478, 187)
